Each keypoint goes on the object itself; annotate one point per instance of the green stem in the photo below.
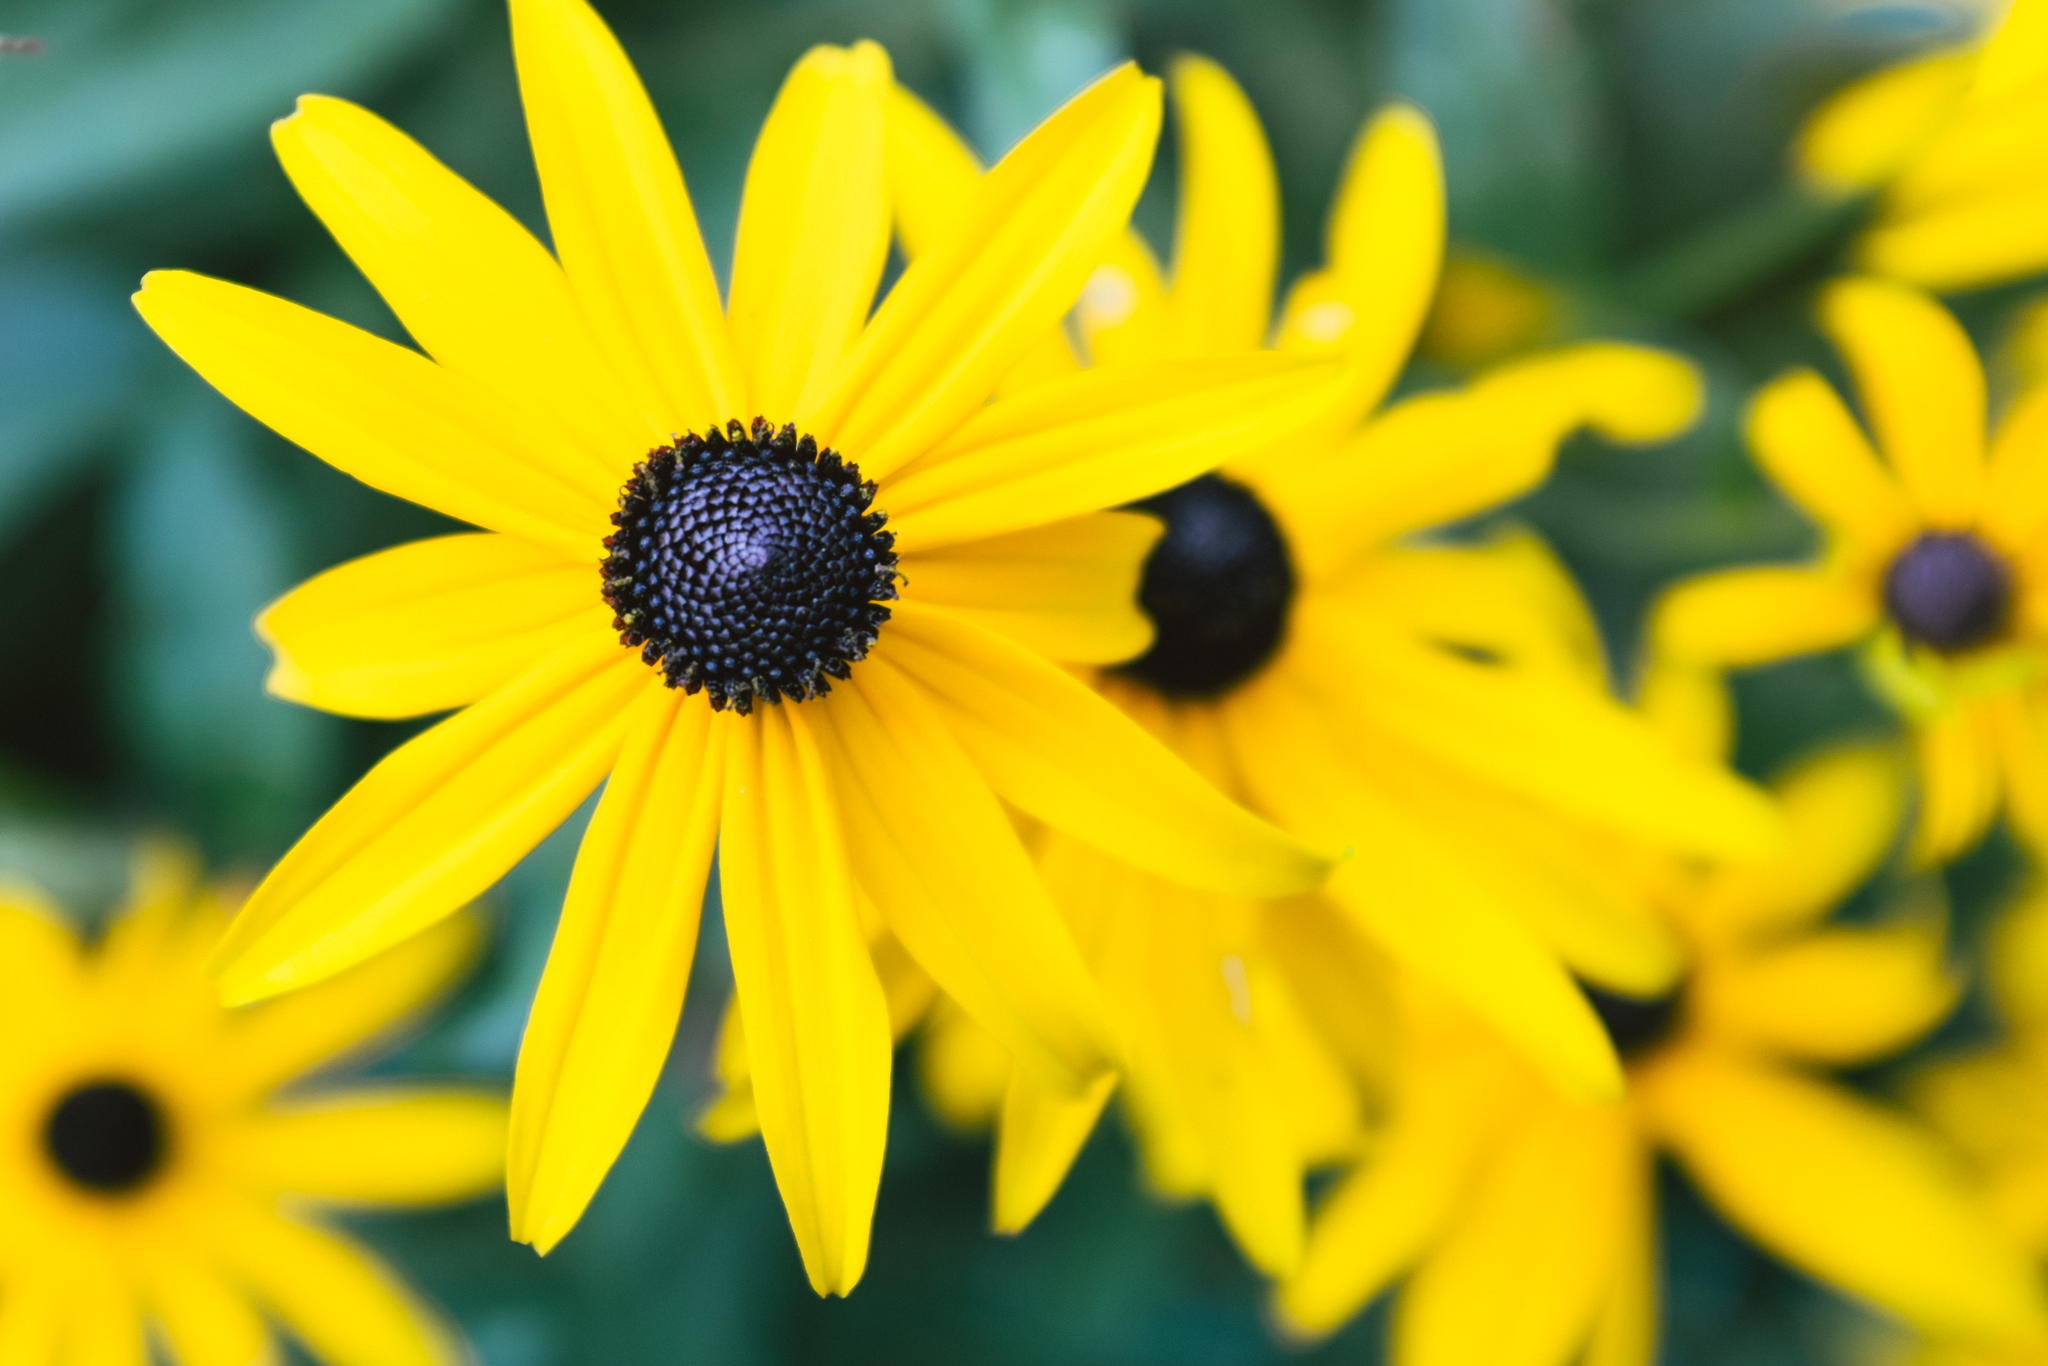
(1723, 261)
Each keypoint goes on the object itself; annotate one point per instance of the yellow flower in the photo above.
(1933, 556)
(1486, 311)
(1949, 144)
(153, 1171)
(1301, 659)
(664, 592)
(1522, 1221)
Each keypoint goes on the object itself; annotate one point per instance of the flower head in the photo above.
(775, 571)
(156, 1174)
(1932, 557)
(1489, 1188)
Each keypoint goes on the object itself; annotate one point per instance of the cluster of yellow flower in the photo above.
(1064, 660)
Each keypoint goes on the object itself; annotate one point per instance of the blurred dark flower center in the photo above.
(108, 1137)
(1637, 1025)
(1948, 591)
(747, 564)
(1217, 588)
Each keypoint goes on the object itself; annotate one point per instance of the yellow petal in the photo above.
(1226, 245)
(1556, 1186)
(814, 230)
(932, 172)
(1472, 943)
(1385, 248)
(1061, 753)
(1761, 614)
(1841, 810)
(1386, 1213)
(1920, 382)
(817, 1023)
(1566, 746)
(269, 1044)
(1959, 782)
(1843, 997)
(1067, 590)
(2016, 960)
(425, 626)
(1984, 240)
(1862, 135)
(388, 1146)
(2016, 491)
(968, 307)
(939, 856)
(607, 1006)
(330, 1294)
(619, 214)
(1805, 439)
(1634, 395)
(1625, 1333)
(204, 1320)
(1846, 1192)
(378, 412)
(41, 953)
(471, 285)
(1038, 1137)
(963, 1069)
(437, 820)
(1098, 439)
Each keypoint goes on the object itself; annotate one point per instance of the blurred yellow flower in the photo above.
(1523, 1221)
(1933, 555)
(1390, 696)
(154, 1183)
(750, 562)
(1485, 311)
(1950, 145)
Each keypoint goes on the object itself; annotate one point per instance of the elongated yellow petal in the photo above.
(1558, 1186)
(814, 230)
(1038, 1136)
(1761, 614)
(1067, 590)
(937, 853)
(1098, 439)
(962, 1068)
(2016, 489)
(1805, 439)
(471, 285)
(1846, 1192)
(41, 951)
(1061, 753)
(1385, 248)
(1921, 384)
(817, 1023)
(269, 1044)
(1842, 809)
(1226, 246)
(388, 1146)
(1567, 746)
(620, 216)
(425, 626)
(1843, 997)
(608, 1002)
(205, 1320)
(932, 172)
(1625, 1334)
(1981, 241)
(377, 412)
(967, 308)
(1388, 1211)
(1472, 943)
(331, 1294)
(439, 819)
(1864, 133)
(1959, 782)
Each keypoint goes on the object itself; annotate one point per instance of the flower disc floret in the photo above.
(747, 564)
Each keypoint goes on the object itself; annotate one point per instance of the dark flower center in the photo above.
(1637, 1025)
(747, 564)
(1217, 587)
(1948, 591)
(108, 1137)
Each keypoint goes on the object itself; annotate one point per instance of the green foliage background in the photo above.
(143, 521)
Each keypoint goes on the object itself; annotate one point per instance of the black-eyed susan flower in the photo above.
(1521, 1223)
(1933, 529)
(1949, 146)
(1395, 697)
(162, 1172)
(777, 567)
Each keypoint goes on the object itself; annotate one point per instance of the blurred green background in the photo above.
(143, 521)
